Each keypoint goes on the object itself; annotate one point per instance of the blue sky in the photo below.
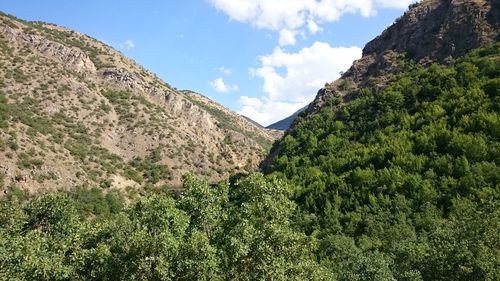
(262, 58)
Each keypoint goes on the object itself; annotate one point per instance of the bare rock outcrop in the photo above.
(438, 31)
(122, 78)
(74, 58)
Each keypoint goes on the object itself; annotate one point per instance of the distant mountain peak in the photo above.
(284, 124)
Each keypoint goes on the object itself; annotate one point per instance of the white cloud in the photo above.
(313, 27)
(220, 86)
(287, 37)
(251, 102)
(296, 15)
(398, 4)
(224, 70)
(306, 70)
(291, 80)
(129, 44)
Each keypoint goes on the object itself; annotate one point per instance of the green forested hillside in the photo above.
(405, 181)
(397, 184)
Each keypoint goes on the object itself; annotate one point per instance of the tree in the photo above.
(258, 241)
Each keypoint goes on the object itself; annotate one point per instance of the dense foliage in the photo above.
(404, 182)
(240, 231)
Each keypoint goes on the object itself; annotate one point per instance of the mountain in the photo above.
(74, 111)
(431, 31)
(396, 164)
(284, 124)
(402, 183)
(233, 120)
(253, 121)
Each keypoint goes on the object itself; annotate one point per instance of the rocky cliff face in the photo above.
(430, 31)
(73, 111)
(438, 31)
(74, 58)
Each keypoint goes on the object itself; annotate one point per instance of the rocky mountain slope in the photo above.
(232, 120)
(430, 31)
(74, 111)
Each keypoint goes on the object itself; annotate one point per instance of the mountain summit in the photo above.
(431, 31)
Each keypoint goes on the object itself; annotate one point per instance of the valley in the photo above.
(390, 173)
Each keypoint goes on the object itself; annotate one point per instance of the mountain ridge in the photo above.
(85, 90)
